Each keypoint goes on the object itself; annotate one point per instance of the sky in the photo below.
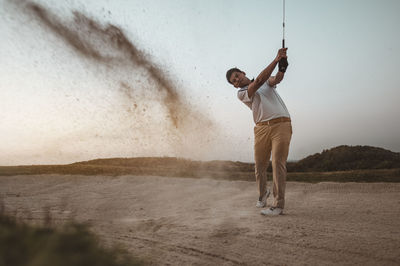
(341, 86)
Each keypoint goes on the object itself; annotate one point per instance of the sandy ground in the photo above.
(184, 221)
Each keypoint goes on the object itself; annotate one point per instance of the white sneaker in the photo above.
(263, 202)
(272, 211)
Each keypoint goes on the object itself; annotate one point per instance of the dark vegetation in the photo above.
(339, 164)
(73, 244)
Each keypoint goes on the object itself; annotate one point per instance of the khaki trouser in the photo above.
(273, 139)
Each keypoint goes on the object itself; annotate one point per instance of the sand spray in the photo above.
(107, 45)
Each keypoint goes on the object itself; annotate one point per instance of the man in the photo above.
(273, 129)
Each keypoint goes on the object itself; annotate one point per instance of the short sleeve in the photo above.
(244, 96)
(270, 85)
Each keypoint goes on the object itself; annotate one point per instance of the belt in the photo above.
(274, 121)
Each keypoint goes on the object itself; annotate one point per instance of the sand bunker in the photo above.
(185, 221)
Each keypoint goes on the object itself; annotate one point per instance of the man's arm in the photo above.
(273, 80)
(265, 74)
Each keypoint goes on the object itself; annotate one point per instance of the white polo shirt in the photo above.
(266, 103)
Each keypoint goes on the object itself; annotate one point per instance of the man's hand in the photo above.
(281, 54)
(281, 57)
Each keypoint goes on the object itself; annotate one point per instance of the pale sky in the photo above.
(341, 87)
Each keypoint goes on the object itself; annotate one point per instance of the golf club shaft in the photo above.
(283, 24)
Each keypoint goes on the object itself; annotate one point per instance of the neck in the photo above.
(247, 82)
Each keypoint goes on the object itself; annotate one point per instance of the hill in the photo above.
(339, 164)
(343, 158)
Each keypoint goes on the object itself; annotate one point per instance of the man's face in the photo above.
(239, 79)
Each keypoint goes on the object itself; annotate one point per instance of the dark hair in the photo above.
(230, 72)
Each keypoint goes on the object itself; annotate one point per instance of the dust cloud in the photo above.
(107, 46)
